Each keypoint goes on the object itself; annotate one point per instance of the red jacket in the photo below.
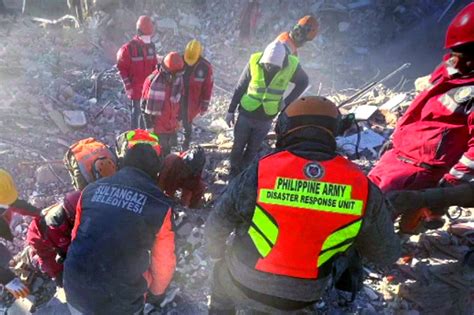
(167, 121)
(438, 127)
(50, 234)
(135, 62)
(174, 177)
(198, 84)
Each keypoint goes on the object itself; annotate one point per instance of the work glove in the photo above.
(230, 119)
(17, 288)
(405, 200)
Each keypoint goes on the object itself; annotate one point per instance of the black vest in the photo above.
(121, 216)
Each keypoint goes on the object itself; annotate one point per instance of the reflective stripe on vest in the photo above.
(140, 52)
(259, 94)
(307, 213)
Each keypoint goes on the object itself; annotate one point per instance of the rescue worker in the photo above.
(161, 99)
(297, 213)
(434, 140)
(49, 235)
(8, 280)
(248, 21)
(259, 96)
(10, 203)
(123, 239)
(304, 31)
(136, 60)
(198, 83)
(184, 172)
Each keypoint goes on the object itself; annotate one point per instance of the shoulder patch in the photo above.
(464, 94)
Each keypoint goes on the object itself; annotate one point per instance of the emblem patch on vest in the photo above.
(151, 51)
(200, 74)
(313, 170)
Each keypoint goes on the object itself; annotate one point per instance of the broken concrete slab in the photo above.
(364, 112)
(393, 102)
(45, 176)
(75, 118)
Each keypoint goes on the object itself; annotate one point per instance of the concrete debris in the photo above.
(74, 92)
(22, 306)
(75, 118)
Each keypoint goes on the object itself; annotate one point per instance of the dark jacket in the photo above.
(235, 209)
(123, 244)
(300, 79)
(5, 274)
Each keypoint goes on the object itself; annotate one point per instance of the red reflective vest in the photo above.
(198, 84)
(307, 213)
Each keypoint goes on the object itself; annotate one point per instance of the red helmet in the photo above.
(173, 62)
(145, 25)
(461, 29)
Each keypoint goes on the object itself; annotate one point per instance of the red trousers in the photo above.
(391, 173)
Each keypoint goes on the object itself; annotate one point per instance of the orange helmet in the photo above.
(308, 112)
(173, 62)
(145, 25)
(461, 29)
(309, 26)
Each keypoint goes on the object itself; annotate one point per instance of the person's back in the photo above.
(50, 235)
(297, 213)
(120, 221)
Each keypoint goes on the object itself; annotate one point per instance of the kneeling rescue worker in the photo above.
(123, 239)
(433, 143)
(299, 214)
(184, 172)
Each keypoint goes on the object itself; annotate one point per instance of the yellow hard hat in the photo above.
(192, 52)
(8, 193)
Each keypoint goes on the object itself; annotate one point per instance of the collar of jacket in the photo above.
(141, 173)
(310, 143)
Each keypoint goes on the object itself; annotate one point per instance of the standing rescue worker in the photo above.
(434, 139)
(304, 31)
(184, 172)
(198, 84)
(298, 213)
(123, 239)
(136, 60)
(259, 95)
(161, 99)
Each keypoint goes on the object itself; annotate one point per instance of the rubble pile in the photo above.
(62, 86)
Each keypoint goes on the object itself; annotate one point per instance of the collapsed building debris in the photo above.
(74, 92)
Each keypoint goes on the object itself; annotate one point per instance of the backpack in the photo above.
(89, 160)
